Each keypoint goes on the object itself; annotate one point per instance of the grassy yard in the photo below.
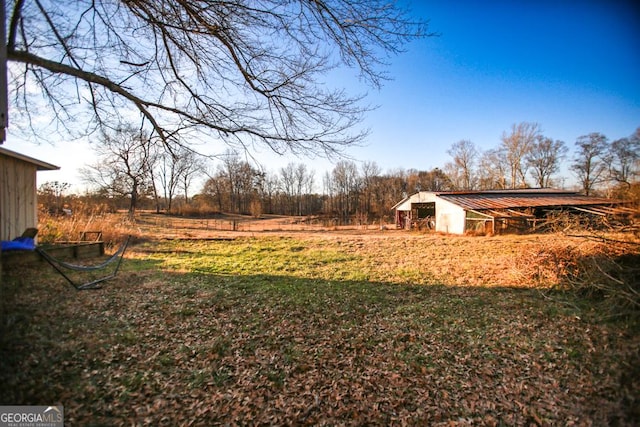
(318, 329)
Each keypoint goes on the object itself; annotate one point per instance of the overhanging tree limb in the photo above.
(241, 71)
(57, 67)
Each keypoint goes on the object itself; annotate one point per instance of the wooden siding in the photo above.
(18, 197)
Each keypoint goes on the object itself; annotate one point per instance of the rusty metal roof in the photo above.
(520, 199)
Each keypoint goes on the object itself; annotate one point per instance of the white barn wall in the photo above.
(404, 205)
(424, 197)
(421, 197)
(450, 218)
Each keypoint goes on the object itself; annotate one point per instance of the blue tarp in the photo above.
(18, 244)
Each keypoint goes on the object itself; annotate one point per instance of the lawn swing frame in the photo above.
(58, 265)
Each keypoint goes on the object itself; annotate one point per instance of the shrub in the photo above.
(604, 272)
(196, 210)
(53, 228)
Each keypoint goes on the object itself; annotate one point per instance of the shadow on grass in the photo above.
(170, 348)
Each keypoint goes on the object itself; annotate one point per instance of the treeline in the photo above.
(348, 192)
(135, 174)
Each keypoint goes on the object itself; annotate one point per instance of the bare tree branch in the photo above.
(241, 72)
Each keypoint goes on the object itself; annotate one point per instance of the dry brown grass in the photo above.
(63, 228)
(534, 260)
(324, 327)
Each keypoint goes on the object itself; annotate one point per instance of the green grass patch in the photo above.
(294, 331)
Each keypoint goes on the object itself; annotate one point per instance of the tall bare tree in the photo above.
(288, 185)
(421, 180)
(588, 164)
(241, 181)
(624, 159)
(305, 181)
(238, 71)
(167, 174)
(462, 170)
(516, 145)
(387, 190)
(268, 192)
(177, 169)
(545, 158)
(436, 180)
(368, 171)
(492, 170)
(297, 181)
(124, 164)
(190, 166)
(345, 180)
(216, 190)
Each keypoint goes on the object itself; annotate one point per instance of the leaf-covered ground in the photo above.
(391, 329)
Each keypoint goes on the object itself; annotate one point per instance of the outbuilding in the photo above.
(496, 211)
(18, 192)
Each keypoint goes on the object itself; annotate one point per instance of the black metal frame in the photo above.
(57, 264)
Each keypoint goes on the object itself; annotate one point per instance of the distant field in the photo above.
(357, 326)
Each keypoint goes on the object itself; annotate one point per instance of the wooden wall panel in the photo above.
(18, 197)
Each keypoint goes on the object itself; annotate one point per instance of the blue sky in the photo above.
(571, 66)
